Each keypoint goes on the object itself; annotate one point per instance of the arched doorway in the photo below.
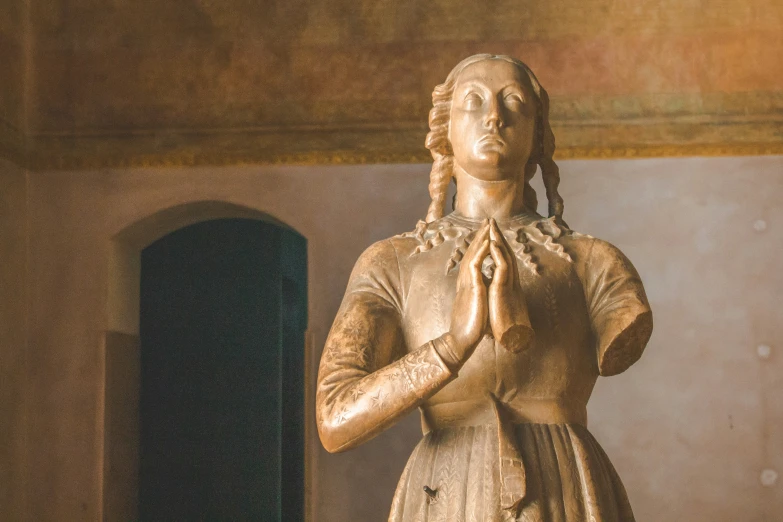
(220, 376)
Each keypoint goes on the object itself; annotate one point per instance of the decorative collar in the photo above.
(522, 231)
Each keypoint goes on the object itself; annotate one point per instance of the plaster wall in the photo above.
(130, 82)
(13, 77)
(12, 56)
(694, 422)
(13, 315)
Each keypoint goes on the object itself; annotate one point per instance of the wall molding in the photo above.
(375, 144)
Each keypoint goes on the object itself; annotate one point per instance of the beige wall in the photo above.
(690, 427)
(74, 216)
(13, 308)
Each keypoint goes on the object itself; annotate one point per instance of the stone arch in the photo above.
(125, 249)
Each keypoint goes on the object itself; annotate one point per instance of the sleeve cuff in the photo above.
(444, 348)
(425, 370)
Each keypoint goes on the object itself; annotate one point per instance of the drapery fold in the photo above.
(568, 478)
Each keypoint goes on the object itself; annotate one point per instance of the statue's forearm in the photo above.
(354, 406)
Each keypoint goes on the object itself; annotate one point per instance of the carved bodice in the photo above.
(586, 303)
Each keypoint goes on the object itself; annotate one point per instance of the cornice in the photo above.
(403, 144)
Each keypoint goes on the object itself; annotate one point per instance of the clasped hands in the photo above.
(498, 307)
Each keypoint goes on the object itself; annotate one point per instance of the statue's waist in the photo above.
(517, 411)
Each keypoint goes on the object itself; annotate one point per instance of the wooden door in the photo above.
(223, 312)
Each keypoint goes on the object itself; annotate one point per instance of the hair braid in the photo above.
(440, 177)
(529, 197)
(438, 143)
(550, 172)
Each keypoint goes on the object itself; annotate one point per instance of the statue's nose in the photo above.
(493, 117)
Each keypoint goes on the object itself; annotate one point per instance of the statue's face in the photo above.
(492, 120)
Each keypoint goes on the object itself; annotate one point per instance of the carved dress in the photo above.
(505, 435)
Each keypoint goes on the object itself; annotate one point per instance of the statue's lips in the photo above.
(490, 141)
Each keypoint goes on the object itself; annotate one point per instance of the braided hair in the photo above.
(443, 157)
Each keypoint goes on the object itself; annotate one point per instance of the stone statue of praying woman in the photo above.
(493, 321)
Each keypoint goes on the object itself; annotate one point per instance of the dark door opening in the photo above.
(223, 314)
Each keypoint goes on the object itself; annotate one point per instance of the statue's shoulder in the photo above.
(381, 256)
(597, 252)
(405, 246)
(576, 243)
(386, 252)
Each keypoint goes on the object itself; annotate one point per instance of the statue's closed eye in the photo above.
(472, 101)
(514, 102)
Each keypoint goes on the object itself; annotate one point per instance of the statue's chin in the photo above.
(490, 166)
(489, 157)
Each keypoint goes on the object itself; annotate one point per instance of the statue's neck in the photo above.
(480, 199)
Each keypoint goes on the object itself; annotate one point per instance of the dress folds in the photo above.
(569, 478)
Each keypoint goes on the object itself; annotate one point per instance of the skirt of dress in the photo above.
(568, 478)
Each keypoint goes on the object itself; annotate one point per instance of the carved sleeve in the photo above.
(365, 383)
(620, 313)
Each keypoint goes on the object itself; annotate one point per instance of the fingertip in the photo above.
(496, 230)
